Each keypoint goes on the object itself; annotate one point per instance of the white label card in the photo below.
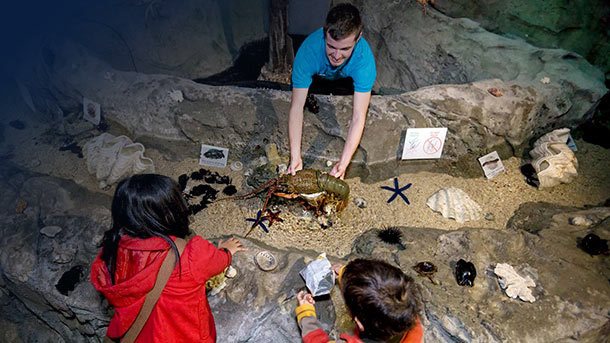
(424, 143)
(213, 156)
(491, 164)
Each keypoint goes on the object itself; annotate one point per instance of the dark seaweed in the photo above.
(229, 190)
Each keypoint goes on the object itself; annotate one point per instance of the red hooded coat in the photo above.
(182, 313)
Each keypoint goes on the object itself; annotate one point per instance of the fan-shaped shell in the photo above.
(454, 203)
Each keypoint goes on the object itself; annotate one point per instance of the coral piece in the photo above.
(454, 203)
(514, 285)
(113, 158)
(553, 161)
(545, 80)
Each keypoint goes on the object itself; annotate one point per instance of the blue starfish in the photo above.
(397, 191)
(258, 221)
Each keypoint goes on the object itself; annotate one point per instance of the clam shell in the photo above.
(454, 203)
(553, 160)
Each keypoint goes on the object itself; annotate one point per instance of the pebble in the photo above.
(581, 221)
(50, 231)
(360, 202)
(490, 216)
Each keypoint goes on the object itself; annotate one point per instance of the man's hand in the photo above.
(295, 166)
(338, 170)
(231, 244)
(305, 298)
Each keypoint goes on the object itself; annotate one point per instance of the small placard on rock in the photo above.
(491, 164)
(213, 156)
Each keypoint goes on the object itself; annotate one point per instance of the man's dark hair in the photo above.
(382, 297)
(343, 20)
(144, 206)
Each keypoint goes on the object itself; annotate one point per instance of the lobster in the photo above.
(306, 183)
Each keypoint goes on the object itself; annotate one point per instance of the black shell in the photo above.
(592, 244)
(425, 268)
(214, 154)
(465, 272)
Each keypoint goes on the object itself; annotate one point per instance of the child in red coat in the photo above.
(383, 301)
(148, 215)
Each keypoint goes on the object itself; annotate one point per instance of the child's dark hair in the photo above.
(343, 20)
(382, 297)
(144, 206)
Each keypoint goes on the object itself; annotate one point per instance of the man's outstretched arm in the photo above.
(356, 127)
(295, 128)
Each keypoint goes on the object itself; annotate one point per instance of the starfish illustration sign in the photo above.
(397, 191)
(258, 221)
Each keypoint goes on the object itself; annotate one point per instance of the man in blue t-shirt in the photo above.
(335, 51)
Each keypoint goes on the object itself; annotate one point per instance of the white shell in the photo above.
(112, 158)
(230, 272)
(454, 203)
(514, 285)
(553, 160)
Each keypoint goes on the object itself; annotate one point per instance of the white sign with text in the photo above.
(424, 143)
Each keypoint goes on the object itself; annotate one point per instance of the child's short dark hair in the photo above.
(343, 20)
(381, 296)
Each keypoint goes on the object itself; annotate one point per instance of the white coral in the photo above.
(514, 284)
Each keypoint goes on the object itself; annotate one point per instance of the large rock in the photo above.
(571, 286)
(579, 26)
(48, 244)
(170, 108)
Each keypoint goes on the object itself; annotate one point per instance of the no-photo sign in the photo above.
(424, 143)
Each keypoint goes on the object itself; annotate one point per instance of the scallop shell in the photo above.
(553, 160)
(454, 203)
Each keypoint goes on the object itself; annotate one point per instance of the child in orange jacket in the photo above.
(383, 301)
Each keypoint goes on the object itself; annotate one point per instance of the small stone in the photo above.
(360, 202)
(545, 80)
(176, 95)
(581, 221)
(35, 163)
(248, 172)
(490, 216)
(282, 168)
(50, 231)
(230, 272)
(329, 163)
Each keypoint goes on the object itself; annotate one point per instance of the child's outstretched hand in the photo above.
(336, 267)
(231, 244)
(305, 298)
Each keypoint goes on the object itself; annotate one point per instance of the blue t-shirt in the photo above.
(311, 60)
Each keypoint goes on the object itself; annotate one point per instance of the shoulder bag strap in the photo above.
(151, 298)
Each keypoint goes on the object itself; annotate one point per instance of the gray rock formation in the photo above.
(45, 294)
(579, 26)
(240, 118)
(570, 284)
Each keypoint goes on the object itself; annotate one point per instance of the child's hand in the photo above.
(231, 244)
(305, 298)
(336, 267)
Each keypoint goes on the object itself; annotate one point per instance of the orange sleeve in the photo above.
(415, 335)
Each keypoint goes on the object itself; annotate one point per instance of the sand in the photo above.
(36, 149)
